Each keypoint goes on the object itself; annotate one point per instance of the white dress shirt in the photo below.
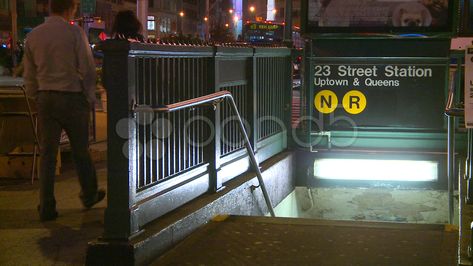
(58, 58)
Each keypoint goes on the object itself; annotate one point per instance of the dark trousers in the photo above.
(68, 111)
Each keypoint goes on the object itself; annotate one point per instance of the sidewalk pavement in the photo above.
(24, 240)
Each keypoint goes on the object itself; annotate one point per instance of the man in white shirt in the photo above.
(60, 75)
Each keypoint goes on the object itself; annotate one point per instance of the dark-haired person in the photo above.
(126, 26)
(60, 74)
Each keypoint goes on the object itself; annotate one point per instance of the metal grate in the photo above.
(271, 87)
(231, 140)
(168, 144)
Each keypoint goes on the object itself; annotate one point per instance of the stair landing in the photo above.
(244, 240)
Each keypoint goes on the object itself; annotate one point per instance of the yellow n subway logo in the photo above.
(326, 101)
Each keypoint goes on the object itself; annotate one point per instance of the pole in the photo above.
(252, 158)
(288, 22)
(244, 18)
(206, 23)
(469, 190)
(451, 167)
(244, 10)
(142, 14)
(179, 17)
(85, 24)
(14, 29)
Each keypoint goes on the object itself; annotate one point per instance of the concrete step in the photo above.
(244, 240)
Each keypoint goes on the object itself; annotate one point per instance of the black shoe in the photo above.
(45, 216)
(98, 197)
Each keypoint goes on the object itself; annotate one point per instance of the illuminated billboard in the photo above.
(379, 16)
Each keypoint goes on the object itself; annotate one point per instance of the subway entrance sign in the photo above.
(373, 82)
(376, 84)
(379, 94)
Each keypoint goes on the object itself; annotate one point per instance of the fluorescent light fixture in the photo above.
(373, 169)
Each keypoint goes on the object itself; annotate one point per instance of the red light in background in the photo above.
(102, 36)
(72, 22)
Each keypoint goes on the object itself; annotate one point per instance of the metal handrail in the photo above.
(214, 98)
(452, 110)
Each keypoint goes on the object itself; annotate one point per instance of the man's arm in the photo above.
(29, 74)
(86, 67)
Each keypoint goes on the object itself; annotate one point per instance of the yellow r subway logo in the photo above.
(326, 101)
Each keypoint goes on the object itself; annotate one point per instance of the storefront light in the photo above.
(151, 23)
(376, 170)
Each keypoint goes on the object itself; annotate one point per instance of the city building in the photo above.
(106, 10)
(280, 9)
(195, 18)
(162, 18)
(31, 13)
(192, 17)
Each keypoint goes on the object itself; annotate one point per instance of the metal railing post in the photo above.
(253, 101)
(451, 166)
(451, 111)
(469, 177)
(119, 220)
(212, 151)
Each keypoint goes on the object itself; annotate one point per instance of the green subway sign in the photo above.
(379, 93)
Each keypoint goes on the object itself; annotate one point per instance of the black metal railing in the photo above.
(271, 84)
(215, 99)
(230, 139)
(166, 150)
(165, 159)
